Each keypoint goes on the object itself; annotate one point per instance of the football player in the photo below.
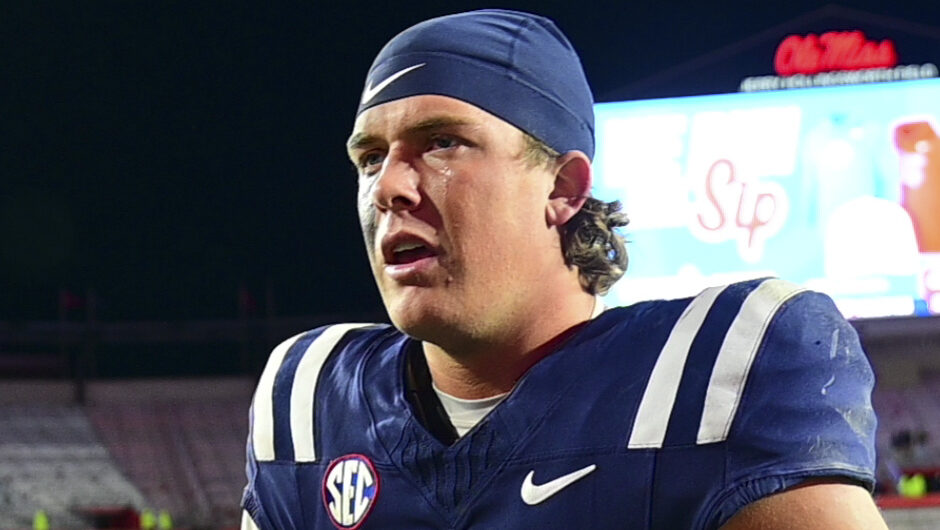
(505, 395)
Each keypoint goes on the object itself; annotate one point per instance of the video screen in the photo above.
(834, 188)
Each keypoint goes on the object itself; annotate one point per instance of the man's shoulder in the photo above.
(713, 311)
(764, 373)
(333, 343)
(334, 333)
(299, 372)
(696, 356)
(328, 337)
(761, 301)
(740, 290)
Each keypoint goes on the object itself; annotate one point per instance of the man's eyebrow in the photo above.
(439, 122)
(361, 139)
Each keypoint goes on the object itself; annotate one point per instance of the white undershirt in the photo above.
(464, 414)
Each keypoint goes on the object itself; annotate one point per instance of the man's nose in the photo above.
(396, 186)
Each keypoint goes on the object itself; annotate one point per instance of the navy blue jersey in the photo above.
(665, 414)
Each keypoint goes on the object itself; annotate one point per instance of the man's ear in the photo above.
(572, 187)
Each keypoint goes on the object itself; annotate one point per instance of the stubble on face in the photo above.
(482, 203)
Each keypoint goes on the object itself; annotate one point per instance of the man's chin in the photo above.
(413, 326)
(420, 323)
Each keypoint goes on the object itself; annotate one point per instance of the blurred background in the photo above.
(175, 199)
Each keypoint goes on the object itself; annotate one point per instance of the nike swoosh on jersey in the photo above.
(533, 494)
(372, 91)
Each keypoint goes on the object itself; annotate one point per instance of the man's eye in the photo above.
(443, 142)
(370, 162)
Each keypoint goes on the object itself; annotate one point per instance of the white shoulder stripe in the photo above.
(736, 356)
(304, 389)
(247, 522)
(262, 408)
(652, 418)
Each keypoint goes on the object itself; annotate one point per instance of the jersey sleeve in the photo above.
(252, 516)
(260, 433)
(282, 433)
(805, 409)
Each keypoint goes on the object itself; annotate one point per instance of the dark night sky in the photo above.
(166, 153)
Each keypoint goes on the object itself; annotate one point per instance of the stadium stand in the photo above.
(52, 460)
(173, 445)
(181, 442)
(921, 518)
(909, 430)
(185, 457)
(908, 443)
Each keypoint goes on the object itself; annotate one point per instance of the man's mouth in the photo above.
(405, 253)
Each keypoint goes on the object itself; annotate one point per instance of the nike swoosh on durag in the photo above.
(372, 91)
(533, 494)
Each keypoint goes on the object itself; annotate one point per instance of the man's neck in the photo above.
(485, 369)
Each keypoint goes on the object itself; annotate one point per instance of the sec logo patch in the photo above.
(350, 488)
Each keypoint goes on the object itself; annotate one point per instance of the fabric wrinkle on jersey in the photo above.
(689, 410)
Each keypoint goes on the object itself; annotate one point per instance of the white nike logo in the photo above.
(372, 91)
(533, 494)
